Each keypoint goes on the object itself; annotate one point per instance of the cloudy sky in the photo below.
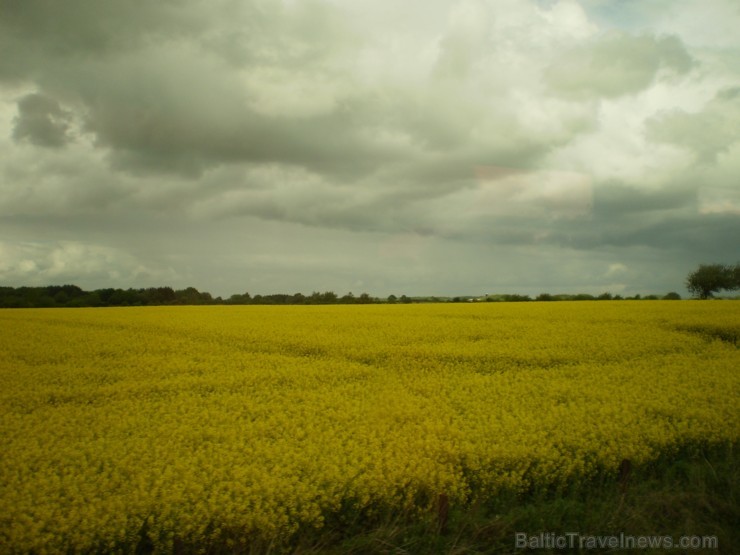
(420, 147)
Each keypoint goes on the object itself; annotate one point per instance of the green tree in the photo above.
(61, 298)
(712, 278)
(124, 298)
(159, 295)
(240, 299)
(329, 297)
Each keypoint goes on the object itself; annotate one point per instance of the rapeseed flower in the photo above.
(208, 422)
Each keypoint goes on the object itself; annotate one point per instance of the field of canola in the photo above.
(256, 421)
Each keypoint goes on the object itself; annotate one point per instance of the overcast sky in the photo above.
(407, 147)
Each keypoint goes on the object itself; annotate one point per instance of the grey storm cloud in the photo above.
(486, 128)
(183, 98)
(41, 121)
(615, 199)
(617, 64)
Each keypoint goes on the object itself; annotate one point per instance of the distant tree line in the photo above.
(703, 283)
(513, 298)
(74, 296)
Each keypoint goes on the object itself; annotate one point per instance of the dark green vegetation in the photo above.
(703, 283)
(712, 278)
(693, 492)
(74, 296)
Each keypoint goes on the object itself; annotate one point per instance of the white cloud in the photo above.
(616, 268)
(567, 20)
(706, 133)
(707, 24)
(716, 200)
(408, 132)
(293, 94)
(70, 262)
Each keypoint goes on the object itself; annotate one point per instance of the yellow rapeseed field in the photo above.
(255, 421)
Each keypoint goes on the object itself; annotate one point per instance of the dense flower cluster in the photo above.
(261, 420)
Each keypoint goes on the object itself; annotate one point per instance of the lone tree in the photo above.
(711, 278)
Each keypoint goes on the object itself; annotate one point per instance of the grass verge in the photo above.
(690, 493)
